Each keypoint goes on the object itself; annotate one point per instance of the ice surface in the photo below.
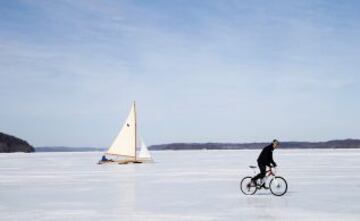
(180, 185)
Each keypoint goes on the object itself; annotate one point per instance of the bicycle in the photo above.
(277, 184)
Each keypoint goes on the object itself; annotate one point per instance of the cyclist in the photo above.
(265, 159)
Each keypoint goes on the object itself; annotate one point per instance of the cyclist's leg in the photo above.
(261, 174)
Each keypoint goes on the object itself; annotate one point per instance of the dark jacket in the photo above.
(266, 156)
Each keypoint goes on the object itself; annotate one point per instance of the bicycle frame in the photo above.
(269, 174)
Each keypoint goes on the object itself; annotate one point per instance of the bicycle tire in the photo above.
(281, 182)
(243, 186)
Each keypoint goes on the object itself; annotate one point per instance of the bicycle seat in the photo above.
(253, 167)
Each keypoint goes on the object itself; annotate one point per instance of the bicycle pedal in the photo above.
(261, 186)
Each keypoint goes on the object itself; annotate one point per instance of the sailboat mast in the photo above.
(135, 129)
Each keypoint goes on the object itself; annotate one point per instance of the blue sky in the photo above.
(220, 71)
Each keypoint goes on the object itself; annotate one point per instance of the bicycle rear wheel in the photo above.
(278, 186)
(246, 187)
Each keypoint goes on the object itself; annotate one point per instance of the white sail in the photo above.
(144, 153)
(125, 143)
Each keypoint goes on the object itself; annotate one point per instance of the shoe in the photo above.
(251, 184)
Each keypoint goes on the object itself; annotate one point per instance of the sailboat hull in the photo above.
(126, 161)
(134, 161)
(123, 161)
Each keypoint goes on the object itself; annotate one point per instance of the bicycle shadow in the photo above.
(263, 194)
(270, 194)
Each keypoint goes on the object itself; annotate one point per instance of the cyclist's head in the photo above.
(275, 143)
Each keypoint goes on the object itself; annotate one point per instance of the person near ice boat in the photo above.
(104, 159)
(265, 159)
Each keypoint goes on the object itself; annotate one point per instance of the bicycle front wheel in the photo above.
(278, 186)
(246, 187)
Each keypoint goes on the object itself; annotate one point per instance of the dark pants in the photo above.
(261, 174)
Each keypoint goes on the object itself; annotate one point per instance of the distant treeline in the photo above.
(344, 144)
(68, 149)
(10, 144)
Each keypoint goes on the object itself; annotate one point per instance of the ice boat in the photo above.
(125, 148)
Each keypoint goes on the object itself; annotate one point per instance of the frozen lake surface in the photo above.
(181, 185)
